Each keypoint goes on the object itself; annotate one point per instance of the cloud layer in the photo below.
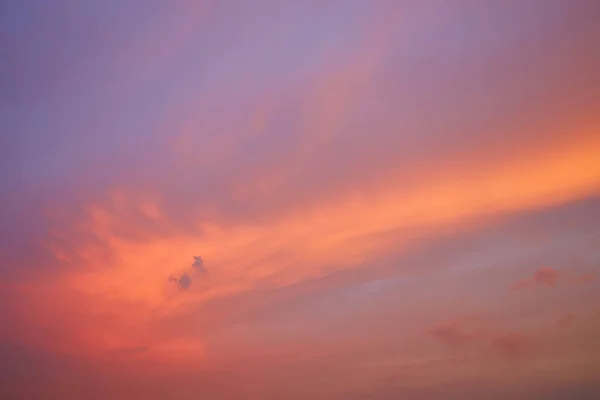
(307, 199)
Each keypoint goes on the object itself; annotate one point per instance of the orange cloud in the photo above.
(299, 245)
(512, 344)
(119, 258)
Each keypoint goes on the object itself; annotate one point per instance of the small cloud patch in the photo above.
(548, 277)
(566, 321)
(132, 350)
(511, 344)
(198, 265)
(452, 335)
(583, 279)
(184, 281)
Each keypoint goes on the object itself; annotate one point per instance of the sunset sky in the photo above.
(300, 199)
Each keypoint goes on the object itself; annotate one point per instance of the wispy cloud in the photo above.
(453, 334)
(566, 320)
(542, 277)
(583, 279)
(550, 277)
(512, 344)
(460, 332)
(132, 350)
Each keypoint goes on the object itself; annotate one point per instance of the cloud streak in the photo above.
(542, 277)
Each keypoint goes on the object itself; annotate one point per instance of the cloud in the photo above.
(198, 265)
(452, 334)
(271, 210)
(550, 277)
(132, 350)
(184, 281)
(511, 344)
(583, 279)
(566, 321)
(459, 331)
(543, 277)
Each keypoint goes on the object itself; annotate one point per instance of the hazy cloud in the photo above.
(565, 321)
(132, 350)
(459, 331)
(583, 279)
(543, 276)
(511, 344)
(452, 335)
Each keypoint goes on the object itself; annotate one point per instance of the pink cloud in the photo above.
(459, 332)
(511, 344)
(583, 279)
(565, 321)
(452, 334)
(543, 276)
